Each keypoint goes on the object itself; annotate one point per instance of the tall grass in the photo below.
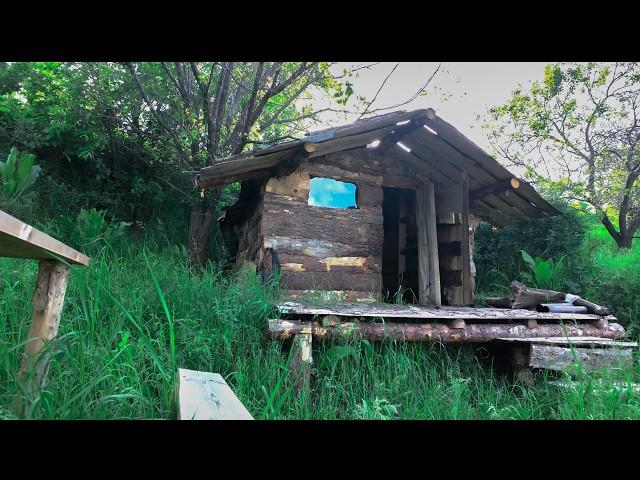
(132, 317)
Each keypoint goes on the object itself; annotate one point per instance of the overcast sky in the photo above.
(459, 92)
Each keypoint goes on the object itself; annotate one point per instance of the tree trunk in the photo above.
(200, 222)
(624, 238)
(624, 241)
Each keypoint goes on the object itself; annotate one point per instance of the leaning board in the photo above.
(206, 396)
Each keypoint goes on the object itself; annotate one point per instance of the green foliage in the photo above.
(132, 316)
(497, 251)
(611, 276)
(543, 273)
(91, 231)
(577, 130)
(17, 174)
(593, 267)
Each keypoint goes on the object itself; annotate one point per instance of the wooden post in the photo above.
(302, 360)
(428, 262)
(520, 363)
(48, 300)
(467, 294)
(432, 238)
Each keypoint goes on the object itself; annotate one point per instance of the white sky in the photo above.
(459, 92)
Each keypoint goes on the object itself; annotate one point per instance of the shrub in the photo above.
(497, 252)
(17, 175)
(543, 273)
(91, 230)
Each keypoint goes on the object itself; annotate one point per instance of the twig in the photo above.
(379, 90)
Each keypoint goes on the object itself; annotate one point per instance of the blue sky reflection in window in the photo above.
(327, 192)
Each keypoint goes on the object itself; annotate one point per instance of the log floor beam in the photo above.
(438, 332)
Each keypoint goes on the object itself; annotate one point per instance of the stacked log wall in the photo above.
(331, 249)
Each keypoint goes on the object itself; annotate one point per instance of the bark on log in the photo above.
(591, 359)
(525, 297)
(438, 332)
(498, 302)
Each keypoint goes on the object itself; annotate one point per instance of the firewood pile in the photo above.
(545, 301)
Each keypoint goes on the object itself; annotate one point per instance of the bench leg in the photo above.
(48, 300)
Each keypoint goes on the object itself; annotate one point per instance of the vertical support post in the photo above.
(48, 300)
(302, 360)
(428, 262)
(432, 239)
(520, 364)
(424, 283)
(467, 294)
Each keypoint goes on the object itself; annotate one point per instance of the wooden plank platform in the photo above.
(206, 396)
(21, 240)
(433, 313)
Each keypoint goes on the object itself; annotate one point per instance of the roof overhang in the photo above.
(431, 144)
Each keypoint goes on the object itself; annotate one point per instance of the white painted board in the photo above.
(206, 396)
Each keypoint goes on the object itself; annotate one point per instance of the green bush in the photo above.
(497, 252)
(17, 175)
(543, 273)
(91, 231)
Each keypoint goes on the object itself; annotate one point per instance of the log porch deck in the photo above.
(444, 313)
(432, 324)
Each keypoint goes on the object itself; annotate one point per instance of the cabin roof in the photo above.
(438, 148)
(21, 240)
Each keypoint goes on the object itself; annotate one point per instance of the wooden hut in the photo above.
(384, 205)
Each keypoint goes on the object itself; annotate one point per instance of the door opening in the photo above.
(400, 246)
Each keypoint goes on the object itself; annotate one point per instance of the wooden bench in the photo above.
(21, 240)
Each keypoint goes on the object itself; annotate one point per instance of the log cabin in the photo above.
(378, 209)
(382, 212)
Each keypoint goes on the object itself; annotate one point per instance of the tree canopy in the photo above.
(578, 132)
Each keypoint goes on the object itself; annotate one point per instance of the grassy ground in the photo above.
(122, 336)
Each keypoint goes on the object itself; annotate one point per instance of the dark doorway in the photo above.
(399, 252)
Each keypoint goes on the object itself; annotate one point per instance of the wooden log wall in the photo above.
(331, 248)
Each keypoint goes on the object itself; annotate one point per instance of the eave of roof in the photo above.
(436, 146)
